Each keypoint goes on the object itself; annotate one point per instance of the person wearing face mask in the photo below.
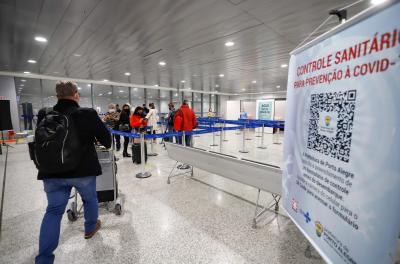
(111, 119)
(124, 126)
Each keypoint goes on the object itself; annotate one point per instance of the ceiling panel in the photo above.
(103, 39)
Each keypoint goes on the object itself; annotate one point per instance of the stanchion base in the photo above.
(277, 143)
(225, 140)
(213, 145)
(142, 175)
(243, 151)
(183, 167)
(262, 147)
(258, 136)
(196, 136)
(248, 139)
(152, 154)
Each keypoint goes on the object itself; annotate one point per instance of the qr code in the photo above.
(331, 123)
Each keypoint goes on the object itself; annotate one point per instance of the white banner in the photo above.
(341, 182)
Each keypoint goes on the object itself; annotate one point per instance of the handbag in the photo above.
(124, 128)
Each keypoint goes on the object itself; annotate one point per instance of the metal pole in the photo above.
(213, 144)
(258, 132)
(224, 132)
(91, 94)
(276, 137)
(248, 130)
(152, 153)
(142, 173)
(3, 189)
(244, 141)
(262, 139)
(221, 139)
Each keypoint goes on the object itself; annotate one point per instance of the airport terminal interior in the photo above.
(207, 202)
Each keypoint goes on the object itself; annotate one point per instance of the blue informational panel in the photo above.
(341, 180)
(265, 109)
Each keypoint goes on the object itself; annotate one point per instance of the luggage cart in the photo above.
(106, 185)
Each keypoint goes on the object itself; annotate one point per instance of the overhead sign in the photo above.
(265, 109)
(341, 182)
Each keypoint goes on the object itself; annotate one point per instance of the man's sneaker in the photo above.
(91, 234)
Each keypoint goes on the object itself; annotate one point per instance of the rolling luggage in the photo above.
(136, 158)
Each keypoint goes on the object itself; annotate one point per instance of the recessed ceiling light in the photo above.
(127, 73)
(284, 65)
(21, 85)
(77, 55)
(183, 81)
(217, 85)
(26, 72)
(176, 94)
(105, 80)
(135, 89)
(162, 63)
(121, 91)
(189, 88)
(377, 2)
(243, 89)
(229, 43)
(221, 75)
(23, 80)
(109, 92)
(100, 94)
(40, 39)
(254, 81)
(212, 95)
(278, 86)
(156, 85)
(88, 85)
(79, 88)
(31, 61)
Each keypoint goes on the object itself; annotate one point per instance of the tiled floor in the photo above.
(188, 221)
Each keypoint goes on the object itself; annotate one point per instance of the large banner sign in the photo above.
(341, 182)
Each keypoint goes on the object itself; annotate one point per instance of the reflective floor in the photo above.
(202, 220)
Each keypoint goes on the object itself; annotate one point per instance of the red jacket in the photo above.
(185, 119)
(134, 120)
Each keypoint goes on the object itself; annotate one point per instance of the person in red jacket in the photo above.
(185, 120)
(137, 120)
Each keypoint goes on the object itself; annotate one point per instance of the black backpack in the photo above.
(57, 147)
(171, 118)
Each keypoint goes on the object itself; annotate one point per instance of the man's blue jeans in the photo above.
(188, 139)
(58, 192)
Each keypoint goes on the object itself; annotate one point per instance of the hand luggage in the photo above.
(136, 153)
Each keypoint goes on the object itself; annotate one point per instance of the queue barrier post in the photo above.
(262, 138)
(258, 132)
(214, 144)
(152, 153)
(243, 150)
(143, 173)
(275, 137)
(248, 132)
(224, 132)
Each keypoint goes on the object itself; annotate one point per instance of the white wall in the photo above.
(280, 109)
(250, 107)
(232, 110)
(7, 89)
(223, 106)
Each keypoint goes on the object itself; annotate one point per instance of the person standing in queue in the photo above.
(145, 109)
(152, 118)
(67, 158)
(111, 119)
(138, 123)
(170, 121)
(185, 120)
(124, 126)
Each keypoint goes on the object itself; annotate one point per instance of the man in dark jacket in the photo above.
(58, 186)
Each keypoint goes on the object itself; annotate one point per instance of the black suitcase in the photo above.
(136, 153)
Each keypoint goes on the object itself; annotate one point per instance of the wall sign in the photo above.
(341, 182)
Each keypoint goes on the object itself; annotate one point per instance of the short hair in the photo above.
(171, 105)
(185, 102)
(66, 88)
(111, 106)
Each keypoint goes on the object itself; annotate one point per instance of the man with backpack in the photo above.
(65, 156)
(170, 121)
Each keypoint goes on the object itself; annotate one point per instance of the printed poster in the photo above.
(341, 179)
